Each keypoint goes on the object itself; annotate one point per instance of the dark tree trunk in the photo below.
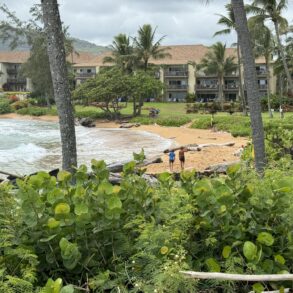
(221, 92)
(242, 95)
(57, 58)
(269, 86)
(251, 84)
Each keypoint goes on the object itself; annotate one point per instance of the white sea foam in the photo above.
(29, 146)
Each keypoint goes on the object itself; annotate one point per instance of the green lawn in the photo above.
(174, 114)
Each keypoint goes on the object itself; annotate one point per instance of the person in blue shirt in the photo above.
(171, 159)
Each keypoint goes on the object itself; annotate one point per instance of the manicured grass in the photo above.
(239, 125)
(174, 114)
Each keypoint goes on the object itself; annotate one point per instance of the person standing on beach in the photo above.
(171, 159)
(182, 157)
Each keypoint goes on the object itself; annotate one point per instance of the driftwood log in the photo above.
(118, 167)
(219, 168)
(237, 277)
(129, 125)
(199, 147)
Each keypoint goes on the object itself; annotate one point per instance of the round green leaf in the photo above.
(213, 265)
(258, 288)
(164, 250)
(62, 208)
(63, 175)
(249, 250)
(53, 223)
(279, 259)
(67, 289)
(81, 208)
(114, 202)
(226, 251)
(265, 238)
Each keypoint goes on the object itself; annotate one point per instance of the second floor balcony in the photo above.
(85, 74)
(177, 86)
(175, 73)
(16, 80)
(11, 71)
(203, 86)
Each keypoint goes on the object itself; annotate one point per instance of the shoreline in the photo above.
(195, 160)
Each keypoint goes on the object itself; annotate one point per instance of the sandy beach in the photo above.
(181, 136)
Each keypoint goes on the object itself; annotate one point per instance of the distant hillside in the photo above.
(85, 46)
(79, 45)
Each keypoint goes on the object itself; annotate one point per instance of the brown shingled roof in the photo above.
(181, 54)
(14, 57)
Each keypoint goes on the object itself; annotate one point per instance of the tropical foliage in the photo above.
(97, 237)
(109, 87)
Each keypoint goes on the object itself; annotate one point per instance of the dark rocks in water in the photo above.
(87, 122)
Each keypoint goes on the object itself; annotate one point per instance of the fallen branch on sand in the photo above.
(199, 147)
(118, 167)
(238, 277)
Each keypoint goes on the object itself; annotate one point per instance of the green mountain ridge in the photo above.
(79, 46)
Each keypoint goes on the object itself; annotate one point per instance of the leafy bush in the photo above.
(33, 111)
(138, 237)
(90, 113)
(20, 104)
(5, 106)
(168, 121)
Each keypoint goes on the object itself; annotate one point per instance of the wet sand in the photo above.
(180, 136)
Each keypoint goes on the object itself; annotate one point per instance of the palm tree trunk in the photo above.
(251, 84)
(56, 53)
(281, 49)
(242, 96)
(221, 92)
(269, 86)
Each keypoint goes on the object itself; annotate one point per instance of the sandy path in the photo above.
(181, 136)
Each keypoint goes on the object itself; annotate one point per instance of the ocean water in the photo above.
(30, 146)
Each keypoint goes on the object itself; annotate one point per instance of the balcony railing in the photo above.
(176, 73)
(261, 72)
(177, 86)
(11, 71)
(16, 80)
(85, 74)
(263, 86)
(231, 86)
(207, 87)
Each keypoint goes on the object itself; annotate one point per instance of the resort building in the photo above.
(179, 73)
(181, 77)
(11, 78)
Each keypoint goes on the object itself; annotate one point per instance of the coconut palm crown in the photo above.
(146, 47)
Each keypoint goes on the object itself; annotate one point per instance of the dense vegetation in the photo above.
(137, 237)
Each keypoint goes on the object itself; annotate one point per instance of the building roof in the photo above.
(180, 54)
(14, 57)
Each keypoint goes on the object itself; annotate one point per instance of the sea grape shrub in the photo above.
(243, 223)
(89, 233)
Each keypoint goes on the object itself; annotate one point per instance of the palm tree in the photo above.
(229, 22)
(272, 9)
(122, 54)
(146, 47)
(263, 46)
(251, 83)
(215, 62)
(250, 78)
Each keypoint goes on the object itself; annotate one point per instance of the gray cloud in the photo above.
(183, 22)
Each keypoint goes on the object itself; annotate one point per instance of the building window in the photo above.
(89, 71)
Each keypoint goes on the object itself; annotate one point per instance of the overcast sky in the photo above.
(182, 21)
